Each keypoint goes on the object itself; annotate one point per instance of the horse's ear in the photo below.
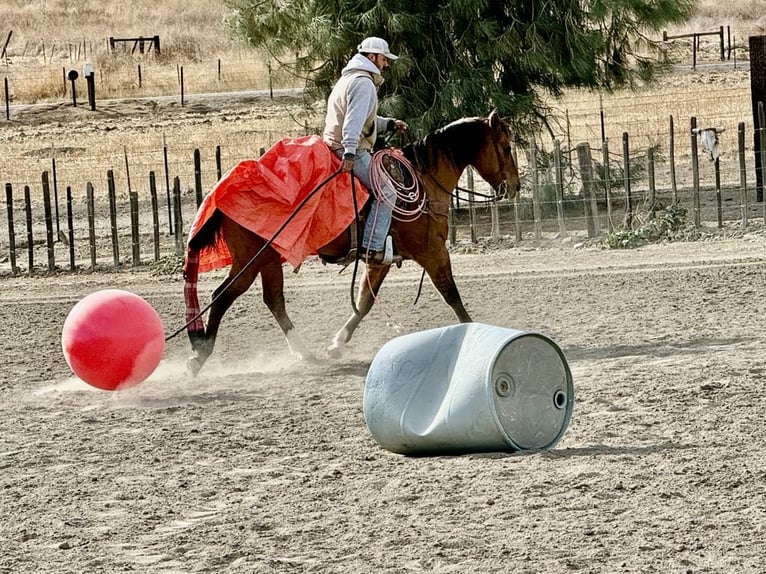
(494, 120)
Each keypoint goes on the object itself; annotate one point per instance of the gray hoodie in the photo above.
(352, 122)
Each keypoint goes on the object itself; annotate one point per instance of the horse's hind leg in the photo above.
(223, 297)
(272, 280)
(368, 291)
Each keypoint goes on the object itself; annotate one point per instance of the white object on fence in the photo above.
(468, 388)
(710, 141)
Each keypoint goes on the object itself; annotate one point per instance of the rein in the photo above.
(454, 193)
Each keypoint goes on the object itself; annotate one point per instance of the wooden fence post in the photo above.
(155, 215)
(167, 186)
(590, 205)
(11, 232)
(535, 189)
(608, 185)
(179, 240)
(55, 196)
(652, 187)
(9, 215)
(672, 148)
(113, 216)
(30, 238)
(91, 224)
(471, 206)
(516, 214)
(559, 177)
(626, 180)
(48, 223)
(134, 233)
(742, 173)
(70, 227)
(695, 175)
(198, 176)
(218, 162)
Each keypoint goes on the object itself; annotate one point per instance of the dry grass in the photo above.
(57, 35)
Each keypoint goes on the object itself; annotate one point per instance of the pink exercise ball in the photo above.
(113, 339)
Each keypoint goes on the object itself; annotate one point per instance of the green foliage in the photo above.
(667, 225)
(464, 57)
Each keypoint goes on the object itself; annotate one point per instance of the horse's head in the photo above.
(494, 162)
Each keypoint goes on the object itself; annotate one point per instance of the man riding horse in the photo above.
(351, 127)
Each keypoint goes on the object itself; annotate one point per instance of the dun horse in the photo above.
(439, 160)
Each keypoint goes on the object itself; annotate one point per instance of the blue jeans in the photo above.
(379, 220)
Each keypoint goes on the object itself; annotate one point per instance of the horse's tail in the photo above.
(206, 236)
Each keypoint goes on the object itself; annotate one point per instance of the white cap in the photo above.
(373, 45)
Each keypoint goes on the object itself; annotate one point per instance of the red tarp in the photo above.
(262, 194)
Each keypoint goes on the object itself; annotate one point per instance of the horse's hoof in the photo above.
(193, 365)
(335, 351)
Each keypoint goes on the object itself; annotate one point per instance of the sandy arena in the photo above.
(264, 464)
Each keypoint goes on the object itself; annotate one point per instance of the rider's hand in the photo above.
(400, 126)
(348, 162)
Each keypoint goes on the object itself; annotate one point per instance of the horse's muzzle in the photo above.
(505, 191)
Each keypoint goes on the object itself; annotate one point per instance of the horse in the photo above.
(438, 160)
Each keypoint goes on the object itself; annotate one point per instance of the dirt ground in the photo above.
(264, 464)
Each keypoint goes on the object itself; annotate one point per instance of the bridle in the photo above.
(499, 191)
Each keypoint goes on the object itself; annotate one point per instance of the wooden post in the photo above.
(626, 180)
(672, 147)
(652, 189)
(167, 186)
(55, 196)
(179, 240)
(91, 224)
(70, 227)
(48, 223)
(134, 233)
(535, 189)
(11, 232)
(7, 100)
(30, 239)
(590, 206)
(471, 207)
(761, 154)
(113, 217)
(218, 162)
(742, 173)
(695, 175)
(757, 52)
(718, 199)
(181, 81)
(608, 185)
(559, 186)
(155, 215)
(198, 176)
(516, 208)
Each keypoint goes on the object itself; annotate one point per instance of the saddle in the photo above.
(345, 249)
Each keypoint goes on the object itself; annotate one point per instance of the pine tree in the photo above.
(462, 58)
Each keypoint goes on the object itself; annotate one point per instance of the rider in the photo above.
(351, 127)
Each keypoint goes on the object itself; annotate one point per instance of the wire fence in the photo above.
(610, 161)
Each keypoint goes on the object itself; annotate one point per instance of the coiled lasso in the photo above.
(390, 168)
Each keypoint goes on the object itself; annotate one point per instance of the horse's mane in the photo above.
(458, 142)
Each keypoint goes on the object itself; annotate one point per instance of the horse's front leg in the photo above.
(439, 268)
(368, 291)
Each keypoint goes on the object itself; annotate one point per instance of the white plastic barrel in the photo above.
(468, 388)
